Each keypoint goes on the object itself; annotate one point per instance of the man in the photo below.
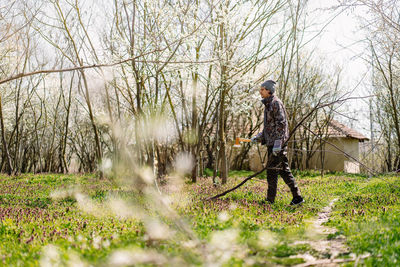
(274, 136)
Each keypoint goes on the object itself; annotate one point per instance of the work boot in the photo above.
(296, 201)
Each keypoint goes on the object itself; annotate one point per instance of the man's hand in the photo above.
(257, 138)
(277, 148)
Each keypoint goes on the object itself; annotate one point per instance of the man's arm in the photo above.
(280, 126)
(280, 120)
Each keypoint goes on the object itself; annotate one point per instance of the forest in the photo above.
(118, 122)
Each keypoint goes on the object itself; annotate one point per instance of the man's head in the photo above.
(267, 88)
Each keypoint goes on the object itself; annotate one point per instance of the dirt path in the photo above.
(325, 252)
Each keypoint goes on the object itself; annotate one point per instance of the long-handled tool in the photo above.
(238, 140)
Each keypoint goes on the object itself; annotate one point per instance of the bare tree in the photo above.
(382, 29)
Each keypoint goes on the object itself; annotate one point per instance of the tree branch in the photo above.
(21, 75)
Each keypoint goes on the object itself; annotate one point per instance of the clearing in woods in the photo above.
(80, 219)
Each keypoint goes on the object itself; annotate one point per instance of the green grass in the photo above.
(33, 220)
(234, 173)
(369, 216)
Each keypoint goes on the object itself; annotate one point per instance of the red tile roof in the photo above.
(337, 129)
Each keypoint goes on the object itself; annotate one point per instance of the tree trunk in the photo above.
(195, 128)
(222, 141)
(3, 139)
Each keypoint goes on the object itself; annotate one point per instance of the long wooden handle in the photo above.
(238, 140)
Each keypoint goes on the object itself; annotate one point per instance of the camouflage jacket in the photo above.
(275, 122)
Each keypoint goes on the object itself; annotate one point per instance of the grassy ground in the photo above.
(70, 219)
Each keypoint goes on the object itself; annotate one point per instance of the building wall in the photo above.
(352, 148)
(257, 157)
(334, 159)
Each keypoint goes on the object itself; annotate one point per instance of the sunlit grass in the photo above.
(369, 216)
(41, 220)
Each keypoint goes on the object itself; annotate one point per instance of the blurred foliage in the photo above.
(33, 221)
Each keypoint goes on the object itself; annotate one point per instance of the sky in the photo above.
(340, 44)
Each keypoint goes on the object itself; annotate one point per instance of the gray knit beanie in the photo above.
(269, 85)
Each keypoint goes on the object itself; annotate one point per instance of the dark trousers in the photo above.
(279, 165)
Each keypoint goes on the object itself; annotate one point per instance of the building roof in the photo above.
(337, 129)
